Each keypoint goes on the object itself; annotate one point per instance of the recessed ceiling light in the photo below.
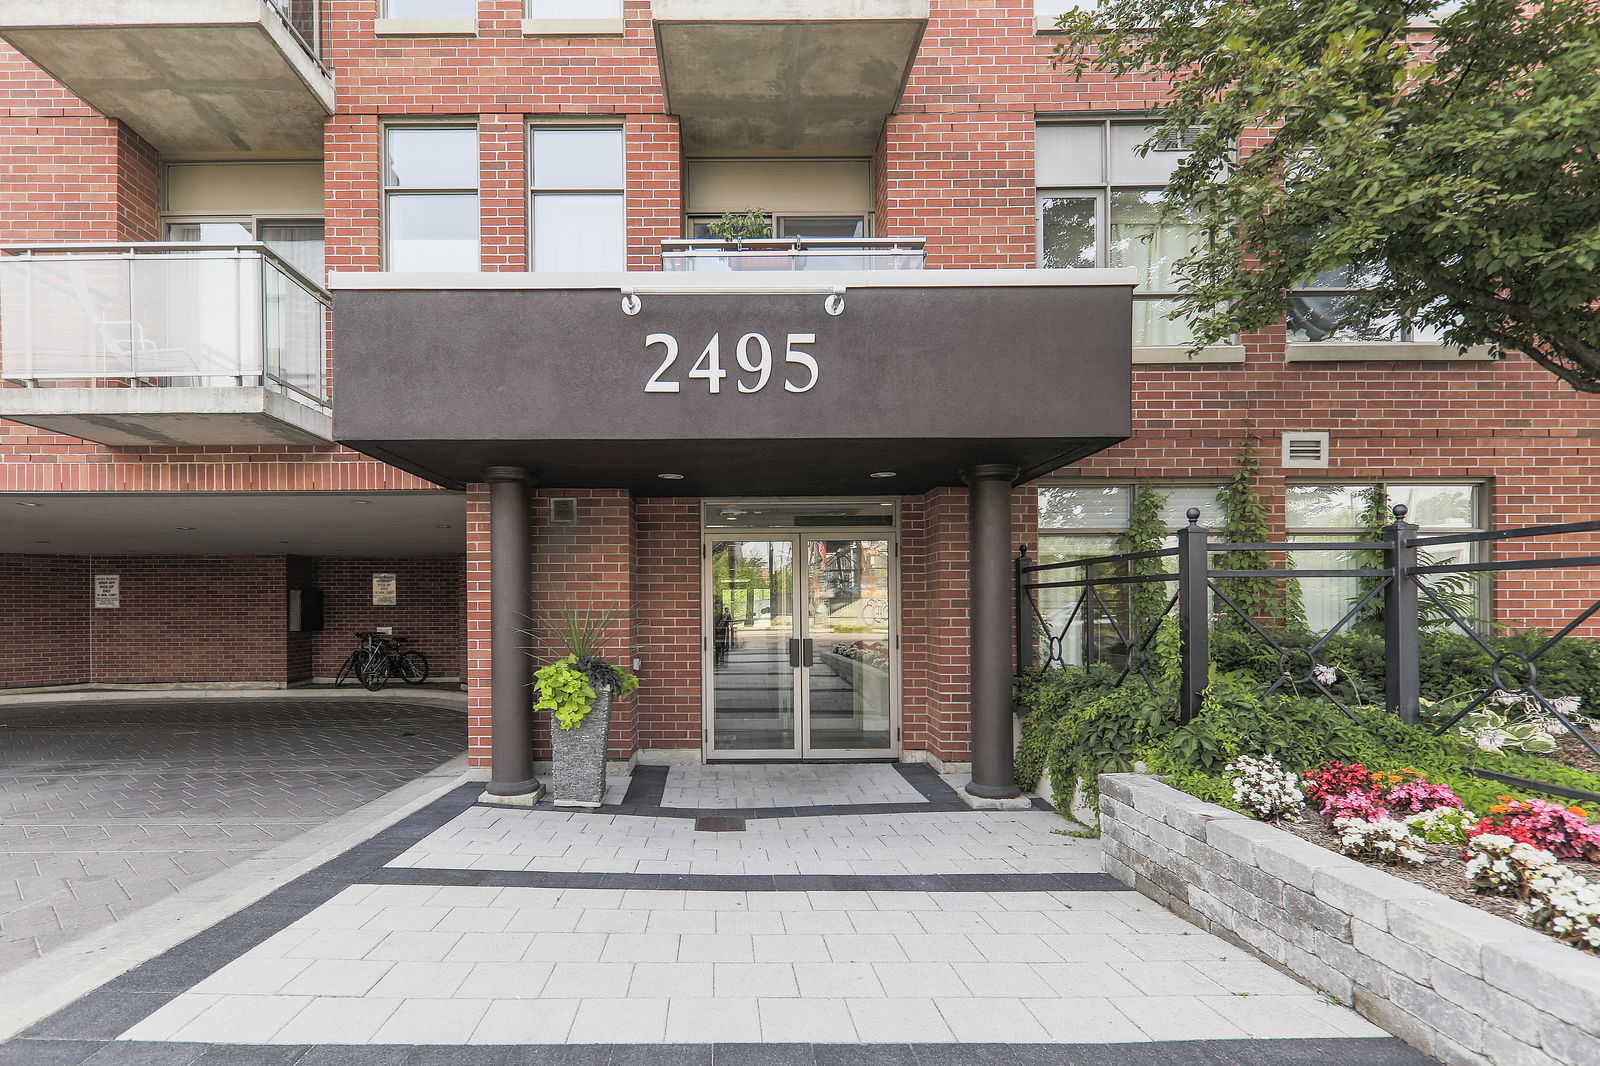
(27, 503)
(670, 477)
(184, 528)
(444, 525)
(885, 505)
(883, 473)
(361, 501)
(41, 542)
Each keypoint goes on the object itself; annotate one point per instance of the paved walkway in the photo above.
(107, 807)
(904, 931)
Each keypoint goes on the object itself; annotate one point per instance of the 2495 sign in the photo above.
(757, 360)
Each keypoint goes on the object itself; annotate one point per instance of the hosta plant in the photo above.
(1264, 789)
(1379, 840)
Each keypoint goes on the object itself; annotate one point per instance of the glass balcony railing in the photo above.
(304, 18)
(793, 253)
(168, 315)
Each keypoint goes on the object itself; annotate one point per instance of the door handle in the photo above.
(808, 652)
(794, 653)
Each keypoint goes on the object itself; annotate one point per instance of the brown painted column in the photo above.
(510, 603)
(993, 772)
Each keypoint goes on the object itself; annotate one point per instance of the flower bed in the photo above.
(1456, 982)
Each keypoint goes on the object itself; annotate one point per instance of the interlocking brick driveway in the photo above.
(106, 807)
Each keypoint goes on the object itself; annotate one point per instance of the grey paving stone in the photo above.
(259, 1055)
(47, 1052)
(126, 1053)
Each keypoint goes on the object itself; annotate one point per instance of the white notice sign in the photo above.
(108, 590)
(383, 590)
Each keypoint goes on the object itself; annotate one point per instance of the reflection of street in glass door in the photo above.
(814, 683)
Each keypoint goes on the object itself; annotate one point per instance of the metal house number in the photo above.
(754, 354)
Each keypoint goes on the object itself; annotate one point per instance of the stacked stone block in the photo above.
(1463, 985)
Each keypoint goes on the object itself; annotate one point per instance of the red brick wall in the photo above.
(429, 609)
(666, 624)
(44, 620)
(190, 618)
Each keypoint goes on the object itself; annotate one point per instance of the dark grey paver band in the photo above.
(1357, 1051)
(443, 878)
(647, 787)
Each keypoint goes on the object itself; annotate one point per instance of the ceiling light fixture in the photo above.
(444, 525)
(670, 477)
(27, 503)
(883, 473)
(361, 501)
(184, 528)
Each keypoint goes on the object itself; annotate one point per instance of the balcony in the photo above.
(797, 77)
(189, 76)
(163, 344)
(792, 253)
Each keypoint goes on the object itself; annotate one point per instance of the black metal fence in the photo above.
(1199, 592)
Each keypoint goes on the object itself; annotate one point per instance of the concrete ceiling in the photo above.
(819, 82)
(190, 76)
(279, 523)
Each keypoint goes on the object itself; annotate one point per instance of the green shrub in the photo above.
(1079, 723)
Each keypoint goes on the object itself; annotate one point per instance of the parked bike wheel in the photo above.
(348, 670)
(412, 667)
(373, 670)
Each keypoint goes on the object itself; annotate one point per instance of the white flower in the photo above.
(1325, 675)
(1381, 840)
(1506, 699)
(1264, 788)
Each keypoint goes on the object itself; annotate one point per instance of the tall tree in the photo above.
(1450, 174)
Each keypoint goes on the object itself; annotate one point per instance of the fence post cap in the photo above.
(1193, 515)
(1400, 511)
(1022, 549)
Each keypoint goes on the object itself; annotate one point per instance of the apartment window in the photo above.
(1332, 511)
(577, 211)
(1083, 520)
(298, 242)
(574, 9)
(1100, 205)
(1332, 307)
(430, 178)
(430, 9)
(850, 227)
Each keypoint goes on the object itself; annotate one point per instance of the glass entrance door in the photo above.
(800, 647)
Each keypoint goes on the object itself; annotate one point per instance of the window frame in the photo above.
(1407, 330)
(384, 12)
(388, 191)
(1483, 522)
(535, 125)
(1102, 194)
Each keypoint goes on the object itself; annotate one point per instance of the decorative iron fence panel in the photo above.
(1061, 607)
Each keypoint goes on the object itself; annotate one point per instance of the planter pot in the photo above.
(578, 756)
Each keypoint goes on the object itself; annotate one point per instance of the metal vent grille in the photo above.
(1305, 449)
(564, 511)
(1178, 142)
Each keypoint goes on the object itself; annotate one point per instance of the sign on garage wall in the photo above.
(383, 590)
(108, 590)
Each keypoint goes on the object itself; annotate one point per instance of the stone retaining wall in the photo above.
(1466, 986)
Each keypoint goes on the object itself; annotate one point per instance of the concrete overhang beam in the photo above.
(798, 77)
(189, 76)
(169, 417)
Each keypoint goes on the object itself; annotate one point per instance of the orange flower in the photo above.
(1579, 811)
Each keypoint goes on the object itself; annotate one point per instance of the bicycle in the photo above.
(378, 658)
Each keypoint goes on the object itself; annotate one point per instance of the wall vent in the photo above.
(1181, 141)
(1305, 449)
(563, 511)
